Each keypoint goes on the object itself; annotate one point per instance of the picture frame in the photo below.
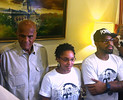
(49, 16)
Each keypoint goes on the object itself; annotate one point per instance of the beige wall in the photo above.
(81, 17)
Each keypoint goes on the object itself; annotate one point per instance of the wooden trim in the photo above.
(120, 12)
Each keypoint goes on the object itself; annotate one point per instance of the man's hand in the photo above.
(97, 88)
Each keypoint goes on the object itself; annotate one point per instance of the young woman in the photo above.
(63, 82)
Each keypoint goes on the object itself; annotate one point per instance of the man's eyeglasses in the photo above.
(67, 60)
(107, 40)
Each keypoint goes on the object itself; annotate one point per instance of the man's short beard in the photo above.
(109, 51)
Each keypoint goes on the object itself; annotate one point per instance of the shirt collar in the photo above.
(21, 51)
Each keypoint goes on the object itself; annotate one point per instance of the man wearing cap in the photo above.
(103, 71)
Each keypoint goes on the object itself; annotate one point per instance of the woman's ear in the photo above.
(57, 59)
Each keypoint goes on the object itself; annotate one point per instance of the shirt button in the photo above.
(37, 68)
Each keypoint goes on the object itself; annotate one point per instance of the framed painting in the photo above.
(49, 16)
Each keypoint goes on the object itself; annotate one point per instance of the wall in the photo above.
(81, 17)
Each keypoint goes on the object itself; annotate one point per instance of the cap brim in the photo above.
(113, 35)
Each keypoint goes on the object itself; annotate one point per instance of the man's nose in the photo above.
(26, 38)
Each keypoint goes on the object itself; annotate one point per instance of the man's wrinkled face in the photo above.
(26, 36)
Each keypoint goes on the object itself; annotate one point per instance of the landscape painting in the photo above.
(49, 16)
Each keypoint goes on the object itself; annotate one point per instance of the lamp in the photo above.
(108, 25)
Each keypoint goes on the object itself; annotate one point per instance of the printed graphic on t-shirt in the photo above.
(108, 75)
(68, 91)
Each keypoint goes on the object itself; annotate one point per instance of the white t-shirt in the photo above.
(109, 70)
(61, 86)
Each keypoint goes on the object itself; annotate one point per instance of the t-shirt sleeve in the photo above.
(45, 87)
(88, 72)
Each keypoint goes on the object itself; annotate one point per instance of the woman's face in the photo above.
(66, 61)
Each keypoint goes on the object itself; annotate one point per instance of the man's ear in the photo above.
(96, 43)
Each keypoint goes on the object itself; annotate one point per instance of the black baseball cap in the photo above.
(101, 33)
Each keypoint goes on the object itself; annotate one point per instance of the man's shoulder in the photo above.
(38, 45)
(7, 47)
(89, 60)
(116, 57)
(90, 57)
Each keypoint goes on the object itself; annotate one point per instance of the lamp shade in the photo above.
(108, 25)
